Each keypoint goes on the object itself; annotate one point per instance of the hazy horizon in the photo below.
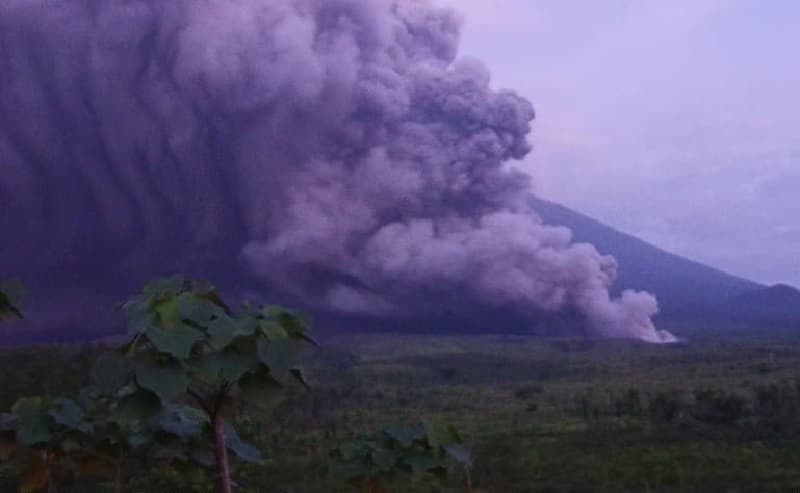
(673, 121)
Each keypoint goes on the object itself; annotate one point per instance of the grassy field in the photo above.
(712, 414)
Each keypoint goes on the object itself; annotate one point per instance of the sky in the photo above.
(676, 121)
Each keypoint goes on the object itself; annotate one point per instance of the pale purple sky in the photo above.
(675, 120)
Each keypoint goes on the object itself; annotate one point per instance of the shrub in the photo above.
(667, 406)
(719, 407)
(373, 462)
(11, 294)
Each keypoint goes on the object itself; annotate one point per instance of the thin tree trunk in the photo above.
(118, 474)
(48, 464)
(118, 480)
(468, 475)
(221, 455)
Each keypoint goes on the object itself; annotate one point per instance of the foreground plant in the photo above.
(45, 437)
(11, 294)
(101, 437)
(375, 461)
(128, 437)
(189, 348)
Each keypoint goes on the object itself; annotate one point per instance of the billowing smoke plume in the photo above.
(335, 150)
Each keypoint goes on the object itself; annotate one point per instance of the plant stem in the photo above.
(221, 454)
(468, 475)
(48, 464)
(118, 474)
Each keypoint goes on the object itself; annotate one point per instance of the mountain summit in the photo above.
(686, 290)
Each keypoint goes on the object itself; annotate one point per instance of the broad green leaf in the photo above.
(214, 297)
(260, 390)
(168, 286)
(11, 294)
(196, 309)
(136, 303)
(398, 450)
(202, 287)
(459, 453)
(272, 311)
(384, 459)
(111, 371)
(7, 309)
(296, 325)
(242, 450)
(273, 330)
(279, 355)
(14, 290)
(8, 422)
(165, 377)
(352, 450)
(137, 311)
(32, 421)
(298, 375)
(223, 330)
(247, 325)
(440, 435)
(293, 324)
(182, 421)
(138, 440)
(202, 456)
(404, 436)
(167, 311)
(246, 345)
(67, 413)
(34, 434)
(141, 405)
(177, 341)
(305, 337)
(130, 347)
(140, 321)
(227, 365)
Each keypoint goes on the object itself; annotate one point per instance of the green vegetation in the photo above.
(167, 401)
(188, 346)
(539, 415)
(716, 414)
(374, 461)
(11, 294)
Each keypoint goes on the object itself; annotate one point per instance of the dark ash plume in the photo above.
(333, 150)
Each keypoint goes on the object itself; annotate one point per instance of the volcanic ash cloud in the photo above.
(336, 149)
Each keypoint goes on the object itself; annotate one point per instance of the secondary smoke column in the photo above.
(335, 149)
